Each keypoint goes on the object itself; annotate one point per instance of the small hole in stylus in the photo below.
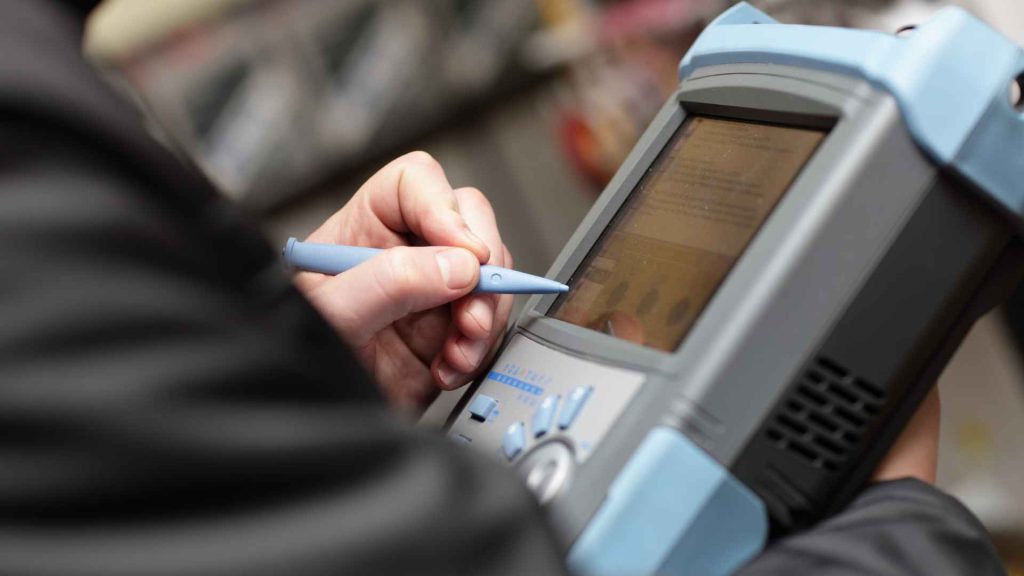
(906, 30)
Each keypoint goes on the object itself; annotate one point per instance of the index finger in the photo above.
(412, 195)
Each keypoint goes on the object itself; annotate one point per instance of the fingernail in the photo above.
(482, 312)
(474, 351)
(458, 267)
(449, 377)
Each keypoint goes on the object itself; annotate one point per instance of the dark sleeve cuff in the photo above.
(893, 528)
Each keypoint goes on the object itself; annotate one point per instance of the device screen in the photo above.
(662, 257)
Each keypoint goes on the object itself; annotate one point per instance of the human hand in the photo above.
(915, 454)
(408, 313)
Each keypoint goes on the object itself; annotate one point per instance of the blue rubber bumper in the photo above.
(671, 510)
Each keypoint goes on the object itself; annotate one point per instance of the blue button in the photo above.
(515, 440)
(544, 417)
(481, 407)
(573, 405)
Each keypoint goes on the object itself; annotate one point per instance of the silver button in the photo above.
(548, 469)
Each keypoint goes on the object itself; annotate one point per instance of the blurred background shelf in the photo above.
(289, 105)
(277, 97)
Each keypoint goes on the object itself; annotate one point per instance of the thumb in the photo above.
(390, 286)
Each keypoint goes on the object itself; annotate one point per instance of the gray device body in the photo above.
(816, 348)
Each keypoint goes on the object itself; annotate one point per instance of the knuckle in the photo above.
(398, 275)
(401, 264)
(422, 159)
(422, 178)
(474, 196)
(473, 193)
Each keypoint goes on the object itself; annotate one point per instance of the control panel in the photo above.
(544, 412)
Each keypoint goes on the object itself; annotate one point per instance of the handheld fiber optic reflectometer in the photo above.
(765, 291)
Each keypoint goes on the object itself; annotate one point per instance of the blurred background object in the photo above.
(275, 98)
(290, 104)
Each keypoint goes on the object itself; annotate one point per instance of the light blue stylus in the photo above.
(335, 259)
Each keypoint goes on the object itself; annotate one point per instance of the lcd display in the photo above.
(659, 262)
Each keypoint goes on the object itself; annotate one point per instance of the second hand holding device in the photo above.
(335, 259)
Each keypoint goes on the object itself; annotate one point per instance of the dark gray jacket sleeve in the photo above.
(903, 527)
(158, 419)
(169, 404)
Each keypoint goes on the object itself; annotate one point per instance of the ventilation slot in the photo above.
(825, 415)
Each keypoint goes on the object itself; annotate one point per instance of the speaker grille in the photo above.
(825, 415)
